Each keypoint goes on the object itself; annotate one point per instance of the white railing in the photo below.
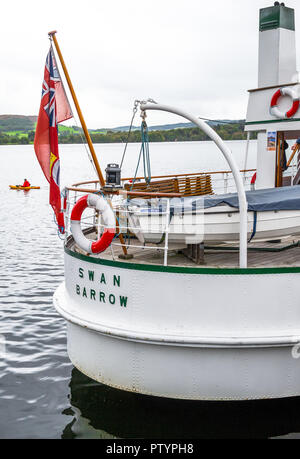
(91, 219)
(222, 183)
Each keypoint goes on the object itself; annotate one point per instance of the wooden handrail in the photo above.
(130, 193)
(188, 175)
(168, 176)
(145, 193)
(86, 183)
(82, 190)
(152, 194)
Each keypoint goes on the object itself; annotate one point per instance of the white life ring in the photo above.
(274, 110)
(99, 203)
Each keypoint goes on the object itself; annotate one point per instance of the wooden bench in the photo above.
(186, 186)
(195, 185)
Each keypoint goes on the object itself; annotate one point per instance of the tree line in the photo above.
(232, 131)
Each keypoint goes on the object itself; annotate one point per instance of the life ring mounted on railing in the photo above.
(274, 110)
(99, 203)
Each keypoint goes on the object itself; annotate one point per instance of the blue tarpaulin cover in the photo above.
(285, 198)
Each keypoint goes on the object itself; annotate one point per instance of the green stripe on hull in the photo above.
(182, 269)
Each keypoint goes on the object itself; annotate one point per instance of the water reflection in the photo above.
(102, 412)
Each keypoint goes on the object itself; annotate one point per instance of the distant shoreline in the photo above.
(234, 131)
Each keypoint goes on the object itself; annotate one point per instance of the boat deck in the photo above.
(282, 253)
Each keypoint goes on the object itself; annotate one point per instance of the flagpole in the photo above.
(84, 127)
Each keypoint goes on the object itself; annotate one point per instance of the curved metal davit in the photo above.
(231, 162)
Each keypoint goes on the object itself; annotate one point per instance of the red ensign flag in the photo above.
(54, 109)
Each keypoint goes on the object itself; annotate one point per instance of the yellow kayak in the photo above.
(24, 188)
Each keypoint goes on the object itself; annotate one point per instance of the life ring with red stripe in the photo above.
(101, 205)
(274, 110)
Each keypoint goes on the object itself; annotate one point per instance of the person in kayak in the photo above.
(26, 183)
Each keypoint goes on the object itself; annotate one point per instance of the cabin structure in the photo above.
(273, 108)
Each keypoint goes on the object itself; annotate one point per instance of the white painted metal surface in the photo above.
(231, 162)
(266, 164)
(185, 372)
(247, 153)
(277, 57)
(183, 335)
(183, 305)
(259, 114)
(277, 67)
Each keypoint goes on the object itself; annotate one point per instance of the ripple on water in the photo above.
(34, 366)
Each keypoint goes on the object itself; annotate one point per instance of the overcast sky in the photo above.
(195, 54)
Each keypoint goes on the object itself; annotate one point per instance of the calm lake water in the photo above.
(41, 394)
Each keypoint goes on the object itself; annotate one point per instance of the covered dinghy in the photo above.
(286, 198)
(272, 214)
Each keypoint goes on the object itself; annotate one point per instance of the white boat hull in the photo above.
(183, 372)
(185, 333)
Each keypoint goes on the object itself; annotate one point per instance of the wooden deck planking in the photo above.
(219, 258)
